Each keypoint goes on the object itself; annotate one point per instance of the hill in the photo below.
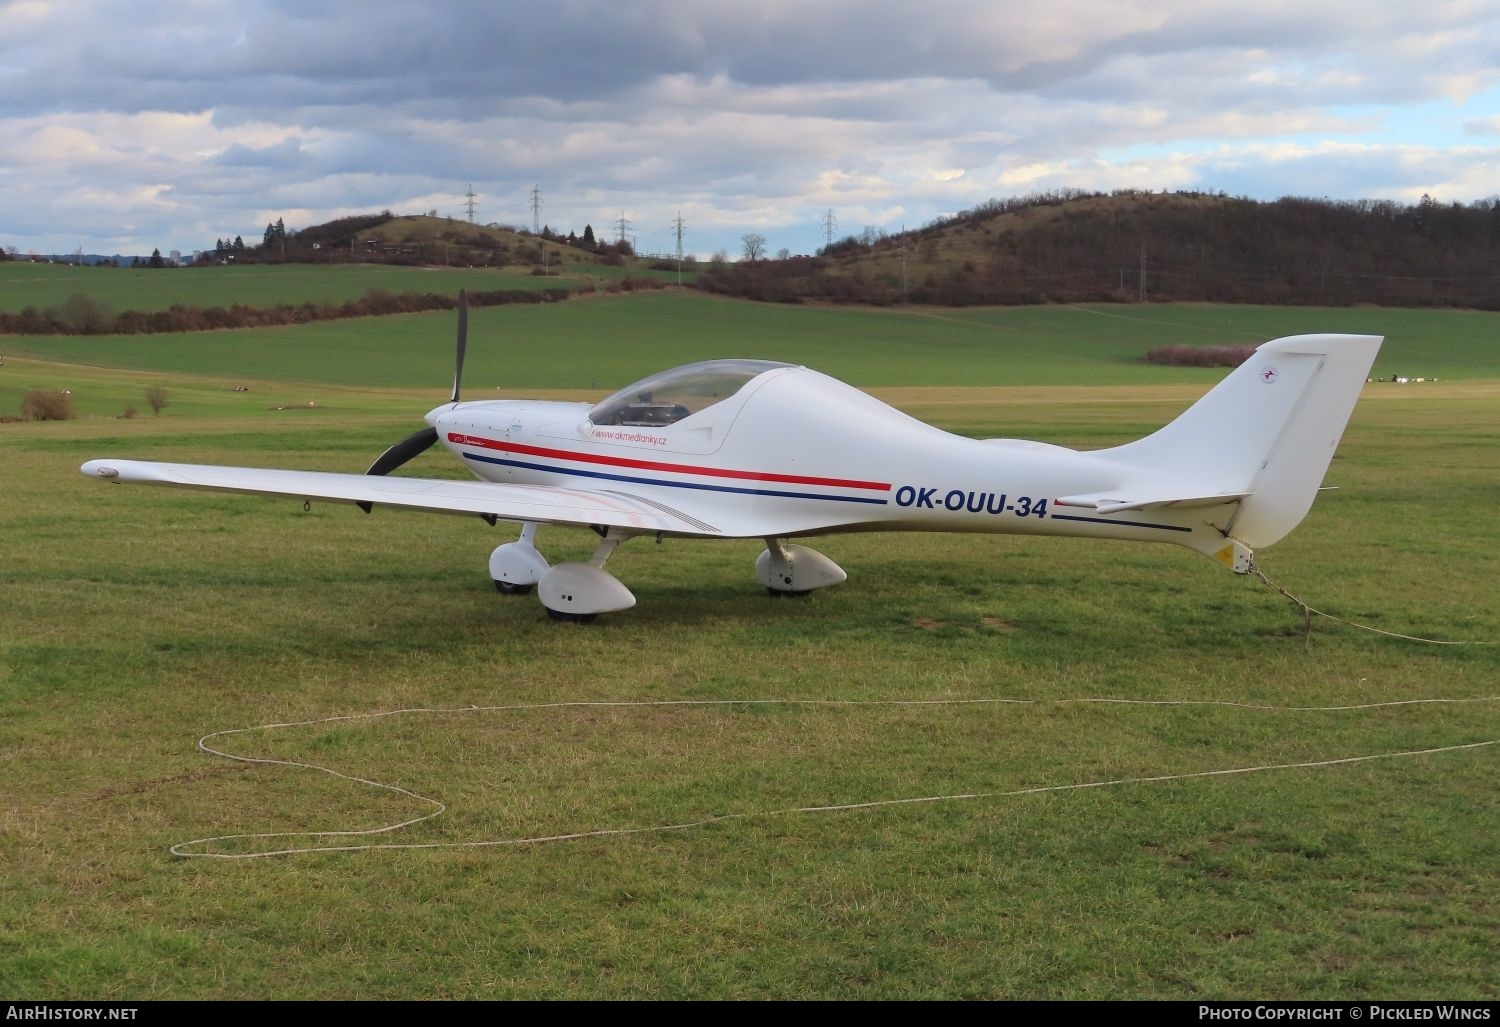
(423, 240)
(1132, 246)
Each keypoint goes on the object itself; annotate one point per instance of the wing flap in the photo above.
(540, 503)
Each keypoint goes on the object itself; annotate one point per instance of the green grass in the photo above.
(136, 620)
(256, 285)
(605, 342)
(46, 286)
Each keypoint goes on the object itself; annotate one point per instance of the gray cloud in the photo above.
(283, 156)
(225, 113)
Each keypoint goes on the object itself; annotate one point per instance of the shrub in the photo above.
(1200, 356)
(41, 405)
(157, 397)
(84, 315)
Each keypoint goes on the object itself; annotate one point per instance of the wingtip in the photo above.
(100, 469)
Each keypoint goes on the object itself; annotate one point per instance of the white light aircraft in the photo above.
(756, 449)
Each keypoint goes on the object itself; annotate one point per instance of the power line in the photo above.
(903, 260)
(677, 226)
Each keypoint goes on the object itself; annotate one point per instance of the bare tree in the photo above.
(783, 254)
(156, 395)
(754, 246)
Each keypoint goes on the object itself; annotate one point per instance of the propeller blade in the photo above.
(414, 445)
(419, 442)
(463, 339)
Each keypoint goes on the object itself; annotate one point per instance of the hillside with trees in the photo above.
(421, 240)
(1075, 247)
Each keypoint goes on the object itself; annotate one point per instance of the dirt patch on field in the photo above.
(155, 783)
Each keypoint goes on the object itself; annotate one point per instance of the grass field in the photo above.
(605, 342)
(45, 286)
(137, 620)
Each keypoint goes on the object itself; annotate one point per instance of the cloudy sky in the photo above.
(126, 126)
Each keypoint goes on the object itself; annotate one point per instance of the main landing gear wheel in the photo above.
(786, 593)
(509, 588)
(579, 592)
(795, 571)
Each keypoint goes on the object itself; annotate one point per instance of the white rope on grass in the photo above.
(1308, 611)
(194, 849)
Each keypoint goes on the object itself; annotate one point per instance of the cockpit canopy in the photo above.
(668, 396)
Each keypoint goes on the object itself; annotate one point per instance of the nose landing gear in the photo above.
(516, 567)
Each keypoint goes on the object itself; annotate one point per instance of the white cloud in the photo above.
(186, 120)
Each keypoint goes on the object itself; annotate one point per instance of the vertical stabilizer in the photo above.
(1268, 431)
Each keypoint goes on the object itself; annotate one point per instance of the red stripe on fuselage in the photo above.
(657, 465)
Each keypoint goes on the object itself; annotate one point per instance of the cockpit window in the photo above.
(669, 396)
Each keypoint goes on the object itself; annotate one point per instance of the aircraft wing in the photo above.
(540, 503)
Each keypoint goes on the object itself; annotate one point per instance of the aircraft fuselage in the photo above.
(847, 452)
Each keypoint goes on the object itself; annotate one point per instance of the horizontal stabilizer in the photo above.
(1114, 502)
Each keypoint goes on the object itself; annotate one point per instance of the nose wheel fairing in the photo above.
(517, 566)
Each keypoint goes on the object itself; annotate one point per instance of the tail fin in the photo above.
(1267, 432)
